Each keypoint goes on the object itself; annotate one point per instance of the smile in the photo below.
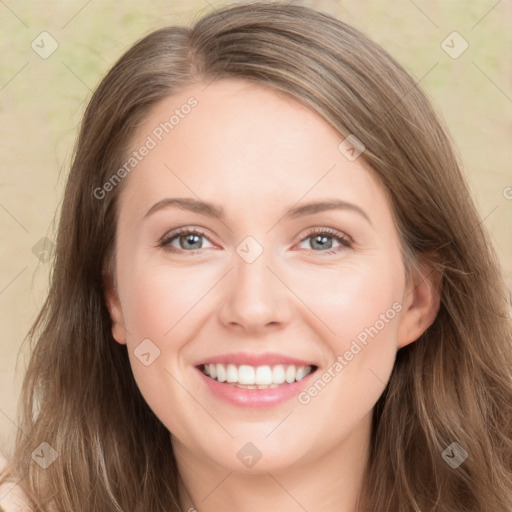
(260, 377)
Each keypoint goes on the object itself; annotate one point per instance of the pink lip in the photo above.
(269, 359)
(255, 398)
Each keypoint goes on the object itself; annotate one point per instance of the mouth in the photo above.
(256, 377)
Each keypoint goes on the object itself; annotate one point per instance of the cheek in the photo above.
(161, 305)
(341, 304)
(340, 307)
(348, 300)
(158, 297)
(356, 312)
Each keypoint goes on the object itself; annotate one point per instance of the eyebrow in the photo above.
(217, 212)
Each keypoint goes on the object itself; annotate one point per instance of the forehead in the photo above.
(244, 143)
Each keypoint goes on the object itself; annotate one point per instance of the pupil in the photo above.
(323, 242)
(190, 239)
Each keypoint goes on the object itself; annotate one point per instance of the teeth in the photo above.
(300, 373)
(263, 375)
(221, 372)
(246, 375)
(231, 373)
(256, 377)
(278, 374)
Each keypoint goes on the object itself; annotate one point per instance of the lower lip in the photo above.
(243, 397)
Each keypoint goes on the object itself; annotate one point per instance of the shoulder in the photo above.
(12, 498)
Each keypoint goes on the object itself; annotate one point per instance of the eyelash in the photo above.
(345, 241)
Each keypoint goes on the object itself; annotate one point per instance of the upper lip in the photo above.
(239, 358)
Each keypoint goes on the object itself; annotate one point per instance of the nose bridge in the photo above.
(255, 296)
(252, 276)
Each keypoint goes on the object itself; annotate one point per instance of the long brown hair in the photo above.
(453, 384)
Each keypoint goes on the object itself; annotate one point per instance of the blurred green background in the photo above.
(42, 100)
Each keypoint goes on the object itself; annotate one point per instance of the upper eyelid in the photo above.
(179, 231)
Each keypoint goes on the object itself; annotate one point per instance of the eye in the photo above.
(322, 239)
(188, 240)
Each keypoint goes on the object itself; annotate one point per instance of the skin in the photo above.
(258, 153)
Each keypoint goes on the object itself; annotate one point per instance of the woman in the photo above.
(254, 369)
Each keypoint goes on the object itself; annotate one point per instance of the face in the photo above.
(245, 279)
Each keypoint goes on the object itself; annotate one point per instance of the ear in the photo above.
(115, 309)
(421, 303)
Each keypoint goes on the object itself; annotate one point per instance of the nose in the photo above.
(255, 297)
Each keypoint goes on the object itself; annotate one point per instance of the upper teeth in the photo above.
(260, 375)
